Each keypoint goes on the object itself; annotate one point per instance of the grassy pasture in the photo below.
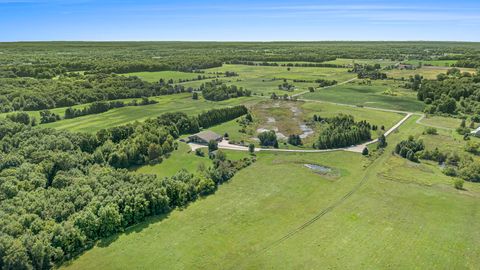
(428, 72)
(390, 218)
(120, 116)
(61, 110)
(166, 75)
(182, 158)
(346, 61)
(373, 95)
(438, 63)
(441, 122)
(265, 79)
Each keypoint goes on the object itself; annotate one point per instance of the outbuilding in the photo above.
(204, 137)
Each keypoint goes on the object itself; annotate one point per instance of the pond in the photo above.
(318, 168)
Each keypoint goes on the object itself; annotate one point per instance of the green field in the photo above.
(345, 61)
(356, 93)
(183, 158)
(166, 75)
(438, 63)
(384, 213)
(428, 72)
(178, 102)
(265, 79)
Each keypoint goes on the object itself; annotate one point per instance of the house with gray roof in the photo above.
(204, 137)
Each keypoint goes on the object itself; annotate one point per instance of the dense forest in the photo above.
(452, 93)
(36, 59)
(217, 90)
(341, 131)
(60, 191)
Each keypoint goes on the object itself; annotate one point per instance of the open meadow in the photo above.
(363, 212)
(385, 94)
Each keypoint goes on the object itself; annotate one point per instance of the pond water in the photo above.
(318, 168)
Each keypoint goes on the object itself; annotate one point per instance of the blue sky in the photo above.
(261, 20)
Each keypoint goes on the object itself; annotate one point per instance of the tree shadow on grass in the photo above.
(107, 241)
(137, 228)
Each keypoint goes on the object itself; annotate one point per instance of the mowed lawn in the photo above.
(277, 214)
(373, 95)
(171, 103)
(186, 159)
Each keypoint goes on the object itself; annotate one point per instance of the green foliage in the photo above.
(212, 145)
(47, 116)
(365, 151)
(408, 149)
(199, 152)
(35, 94)
(23, 118)
(251, 148)
(431, 131)
(294, 140)
(217, 90)
(451, 95)
(458, 183)
(103, 106)
(268, 138)
(382, 141)
(342, 131)
(61, 191)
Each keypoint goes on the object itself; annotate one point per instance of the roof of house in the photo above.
(207, 135)
(476, 131)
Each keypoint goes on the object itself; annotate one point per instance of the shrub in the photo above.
(430, 131)
(458, 183)
(199, 152)
(251, 148)
(212, 145)
(268, 138)
(365, 151)
(294, 140)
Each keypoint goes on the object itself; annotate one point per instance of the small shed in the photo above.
(204, 137)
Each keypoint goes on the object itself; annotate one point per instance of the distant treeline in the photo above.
(51, 59)
(274, 64)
